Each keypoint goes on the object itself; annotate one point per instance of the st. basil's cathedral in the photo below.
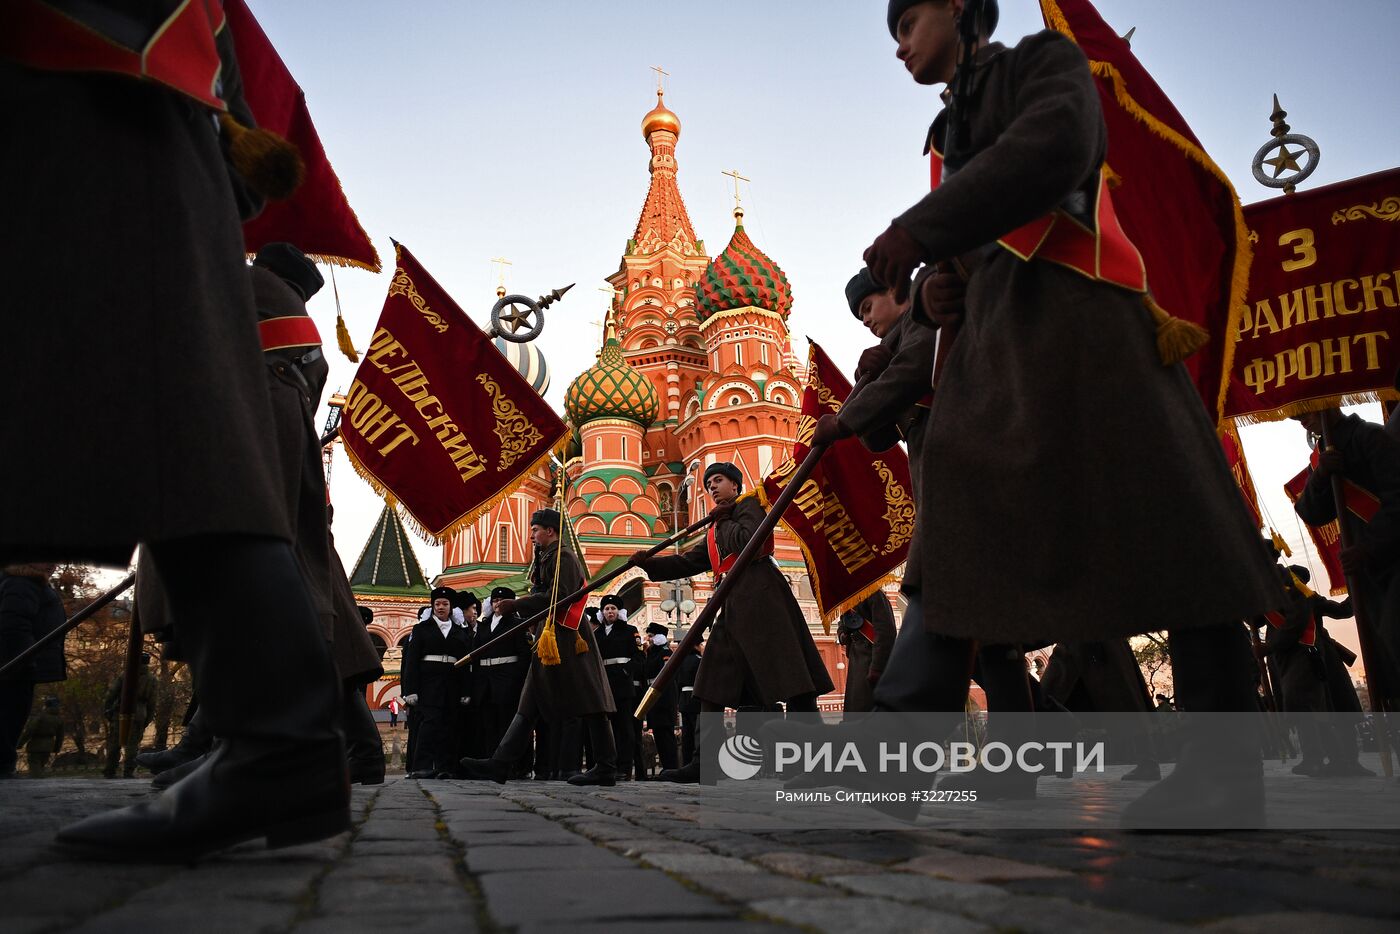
(696, 367)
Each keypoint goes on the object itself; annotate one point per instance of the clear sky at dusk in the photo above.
(468, 130)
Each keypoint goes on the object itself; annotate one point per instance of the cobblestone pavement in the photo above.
(544, 856)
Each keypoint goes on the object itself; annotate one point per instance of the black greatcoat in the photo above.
(440, 687)
(577, 685)
(123, 223)
(760, 644)
(618, 643)
(1058, 448)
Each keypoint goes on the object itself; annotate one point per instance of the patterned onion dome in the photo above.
(611, 389)
(742, 276)
(527, 359)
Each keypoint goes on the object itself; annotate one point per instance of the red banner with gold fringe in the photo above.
(437, 418)
(854, 516)
(317, 218)
(1239, 467)
(1320, 326)
(1327, 539)
(1174, 203)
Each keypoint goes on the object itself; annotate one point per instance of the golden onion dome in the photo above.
(660, 118)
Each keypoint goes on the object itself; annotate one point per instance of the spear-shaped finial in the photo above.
(1280, 128)
(554, 296)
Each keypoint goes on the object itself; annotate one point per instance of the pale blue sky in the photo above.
(468, 130)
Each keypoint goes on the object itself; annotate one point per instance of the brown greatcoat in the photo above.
(135, 381)
(1073, 487)
(577, 685)
(894, 407)
(760, 650)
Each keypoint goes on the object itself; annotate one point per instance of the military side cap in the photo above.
(724, 469)
(657, 629)
(502, 593)
(546, 519)
(611, 599)
(861, 285)
(295, 268)
(443, 593)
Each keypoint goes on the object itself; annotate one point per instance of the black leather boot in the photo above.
(170, 776)
(363, 748)
(600, 735)
(514, 744)
(193, 745)
(279, 770)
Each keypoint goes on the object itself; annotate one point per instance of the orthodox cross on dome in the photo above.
(500, 262)
(738, 208)
(661, 77)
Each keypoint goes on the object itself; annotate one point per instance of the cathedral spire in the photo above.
(664, 220)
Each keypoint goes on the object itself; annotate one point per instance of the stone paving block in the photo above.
(437, 867)
(223, 917)
(550, 836)
(401, 920)
(857, 915)
(962, 867)
(398, 830)
(911, 887)
(684, 864)
(1305, 922)
(593, 894)
(748, 887)
(1170, 902)
(638, 846)
(374, 847)
(252, 881)
(1027, 915)
(356, 897)
(1290, 890)
(72, 889)
(597, 830)
(483, 858)
(29, 924)
(657, 927)
(813, 865)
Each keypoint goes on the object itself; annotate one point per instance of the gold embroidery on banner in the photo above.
(403, 285)
(516, 433)
(899, 510)
(1387, 210)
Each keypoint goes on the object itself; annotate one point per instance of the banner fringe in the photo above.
(1316, 405)
(1244, 253)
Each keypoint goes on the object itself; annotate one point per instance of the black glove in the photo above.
(873, 361)
(830, 430)
(892, 259)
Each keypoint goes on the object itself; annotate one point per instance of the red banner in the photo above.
(1239, 467)
(437, 418)
(854, 517)
(1319, 326)
(1327, 539)
(318, 218)
(1172, 200)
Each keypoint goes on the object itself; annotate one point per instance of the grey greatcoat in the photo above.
(1072, 486)
(136, 372)
(577, 685)
(760, 650)
(894, 407)
(1096, 676)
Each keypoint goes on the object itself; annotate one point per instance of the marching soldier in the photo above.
(42, 737)
(1104, 677)
(867, 631)
(141, 712)
(617, 641)
(689, 705)
(566, 676)
(661, 719)
(638, 672)
(1290, 645)
(501, 672)
(433, 686)
(1014, 417)
(468, 730)
(760, 651)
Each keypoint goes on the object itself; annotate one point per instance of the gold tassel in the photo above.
(580, 643)
(1298, 585)
(1280, 544)
(547, 648)
(270, 165)
(1112, 178)
(342, 333)
(1177, 338)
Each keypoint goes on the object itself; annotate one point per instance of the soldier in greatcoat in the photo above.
(433, 686)
(574, 683)
(760, 651)
(867, 632)
(1104, 677)
(162, 360)
(1053, 414)
(689, 705)
(617, 640)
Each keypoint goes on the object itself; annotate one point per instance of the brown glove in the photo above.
(830, 430)
(1329, 462)
(638, 557)
(942, 295)
(721, 511)
(892, 259)
(873, 361)
(502, 607)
